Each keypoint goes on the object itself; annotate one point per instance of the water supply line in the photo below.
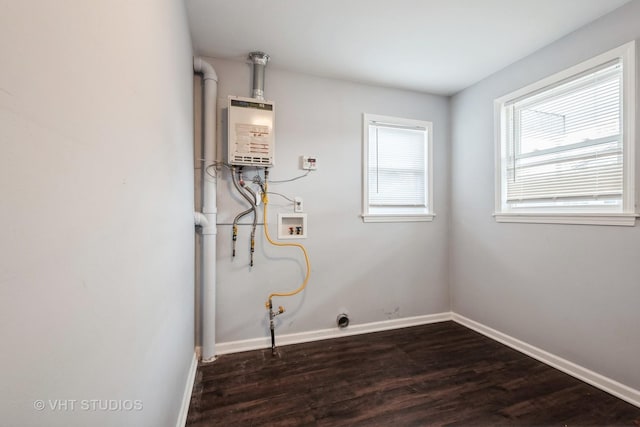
(208, 217)
(239, 183)
(234, 230)
(269, 303)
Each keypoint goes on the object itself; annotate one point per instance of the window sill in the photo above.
(397, 218)
(623, 219)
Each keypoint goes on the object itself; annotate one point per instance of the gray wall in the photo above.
(96, 247)
(571, 290)
(374, 271)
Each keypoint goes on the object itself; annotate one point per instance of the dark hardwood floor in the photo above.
(436, 374)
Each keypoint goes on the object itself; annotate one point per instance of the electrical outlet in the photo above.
(309, 163)
(297, 204)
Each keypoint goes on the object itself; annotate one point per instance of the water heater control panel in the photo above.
(251, 138)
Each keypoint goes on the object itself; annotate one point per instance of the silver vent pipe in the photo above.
(259, 61)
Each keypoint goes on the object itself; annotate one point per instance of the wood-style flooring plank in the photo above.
(438, 374)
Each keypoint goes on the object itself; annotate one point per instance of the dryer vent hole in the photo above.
(343, 320)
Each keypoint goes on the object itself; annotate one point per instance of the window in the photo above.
(396, 170)
(565, 145)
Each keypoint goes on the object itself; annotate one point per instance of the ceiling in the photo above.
(436, 46)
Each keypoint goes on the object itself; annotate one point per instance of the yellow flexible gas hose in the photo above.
(265, 202)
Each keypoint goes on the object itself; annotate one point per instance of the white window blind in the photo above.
(565, 145)
(397, 172)
(396, 166)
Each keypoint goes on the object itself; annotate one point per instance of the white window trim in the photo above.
(399, 217)
(562, 218)
(629, 214)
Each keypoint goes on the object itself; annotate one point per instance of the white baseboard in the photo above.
(606, 384)
(188, 388)
(613, 387)
(323, 334)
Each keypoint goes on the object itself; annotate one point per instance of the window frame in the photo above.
(401, 215)
(564, 215)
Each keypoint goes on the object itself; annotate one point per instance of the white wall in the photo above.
(374, 271)
(568, 289)
(96, 247)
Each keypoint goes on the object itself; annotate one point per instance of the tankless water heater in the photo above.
(251, 139)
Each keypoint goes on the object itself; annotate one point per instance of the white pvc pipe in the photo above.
(200, 220)
(209, 208)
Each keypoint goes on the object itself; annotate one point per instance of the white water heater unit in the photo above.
(251, 137)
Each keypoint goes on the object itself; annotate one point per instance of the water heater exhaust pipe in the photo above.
(259, 61)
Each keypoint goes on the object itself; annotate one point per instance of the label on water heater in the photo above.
(252, 104)
(251, 139)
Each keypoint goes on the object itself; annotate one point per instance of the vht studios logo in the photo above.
(113, 405)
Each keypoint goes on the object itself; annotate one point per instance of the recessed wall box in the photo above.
(292, 226)
(251, 139)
